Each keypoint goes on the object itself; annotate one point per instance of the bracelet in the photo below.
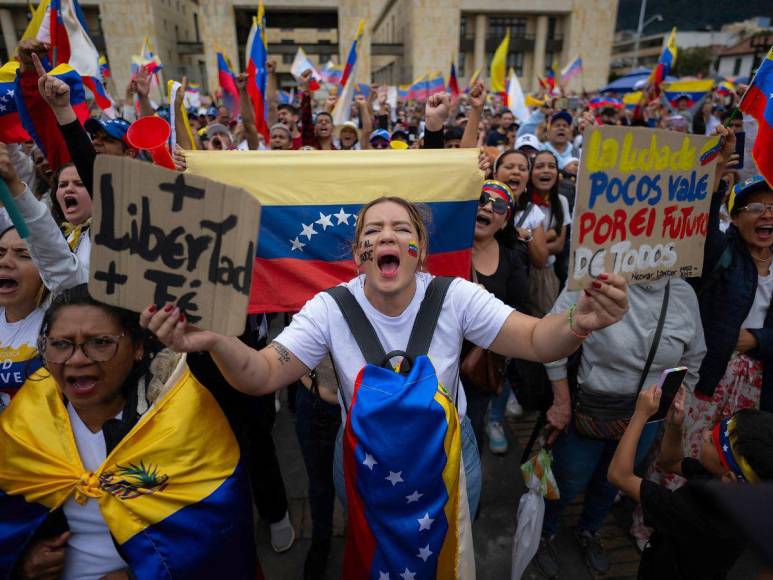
(570, 317)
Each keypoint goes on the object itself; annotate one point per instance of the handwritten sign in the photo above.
(642, 205)
(164, 237)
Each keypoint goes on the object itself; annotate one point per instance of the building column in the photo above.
(540, 42)
(479, 56)
(9, 34)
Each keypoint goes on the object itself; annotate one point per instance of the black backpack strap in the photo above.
(359, 325)
(524, 214)
(426, 319)
(656, 338)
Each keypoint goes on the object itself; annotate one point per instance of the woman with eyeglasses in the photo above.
(502, 270)
(116, 462)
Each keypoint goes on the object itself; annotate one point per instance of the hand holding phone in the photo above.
(669, 383)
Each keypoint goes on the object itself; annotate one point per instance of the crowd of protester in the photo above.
(102, 361)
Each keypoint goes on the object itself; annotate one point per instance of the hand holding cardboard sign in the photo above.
(601, 305)
(172, 329)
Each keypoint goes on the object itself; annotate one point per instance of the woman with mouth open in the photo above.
(25, 276)
(390, 246)
(544, 285)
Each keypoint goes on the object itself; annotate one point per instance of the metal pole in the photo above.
(639, 30)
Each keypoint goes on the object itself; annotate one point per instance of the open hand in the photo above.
(141, 82)
(602, 304)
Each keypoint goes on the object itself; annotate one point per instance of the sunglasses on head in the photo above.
(499, 205)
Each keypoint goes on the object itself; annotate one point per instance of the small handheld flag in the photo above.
(758, 102)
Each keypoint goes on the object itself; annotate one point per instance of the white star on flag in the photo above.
(342, 217)
(369, 461)
(383, 575)
(308, 231)
(297, 244)
(2, 107)
(414, 496)
(425, 523)
(395, 478)
(9, 92)
(4, 99)
(408, 575)
(324, 221)
(724, 448)
(424, 553)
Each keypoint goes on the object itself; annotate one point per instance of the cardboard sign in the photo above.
(163, 237)
(642, 206)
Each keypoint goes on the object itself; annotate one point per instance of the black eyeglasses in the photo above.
(97, 348)
(499, 205)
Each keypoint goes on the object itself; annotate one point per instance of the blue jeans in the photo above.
(580, 465)
(496, 412)
(316, 425)
(470, 456)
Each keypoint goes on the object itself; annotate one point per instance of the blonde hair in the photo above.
(419, 216)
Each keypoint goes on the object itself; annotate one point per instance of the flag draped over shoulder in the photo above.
(758, 102)
(257, 74)
(173, 492)
(499, 66)
(407, 511)
(309, 209)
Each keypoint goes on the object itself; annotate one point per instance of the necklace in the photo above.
(763, 260)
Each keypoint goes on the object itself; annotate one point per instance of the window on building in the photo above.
(737, 66)
(196, 26)
(288, 58)
(462, 26)
(461, 65)
(287, 41)
(499, 25)
(552, 27)
(324, 41)
(515, 61)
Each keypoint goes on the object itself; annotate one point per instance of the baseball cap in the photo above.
(561, 115)
(380, 134)
(216, 128)
(115, 128)
(741, 191)
(348, 125)
(528, 140)
(280, 126)
(212, 112)
(400, 135)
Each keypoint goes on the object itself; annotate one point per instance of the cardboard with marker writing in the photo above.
(163, 237)
(642, 206)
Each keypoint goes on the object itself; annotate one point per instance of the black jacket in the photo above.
(726, 293)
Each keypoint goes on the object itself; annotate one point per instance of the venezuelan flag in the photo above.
(104, 67)
(173, 492)
(101, 98)
(694, 90)
(228, 85)
(435, 84)
(405, 509)
(758, 102)
(420, 89)
(630, 100)
(257, 75)
(351, 60)
(403, 92)
(666, 61)
(605, 103)
(38, 119)
(11, 130)
(453, 82)
(309, 209)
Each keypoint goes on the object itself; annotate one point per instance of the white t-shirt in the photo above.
(18, 352)
(469, 312)
(534, 219)
(550, 222)
(90, 552)
(759, 309)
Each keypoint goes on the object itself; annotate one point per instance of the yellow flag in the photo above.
(499, 66)
(37, 20)
(475, 76)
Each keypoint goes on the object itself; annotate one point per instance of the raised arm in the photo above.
(366, 115)
(246, 369)
(271, 89)
(248, 113)
(477, 100)
(558, 335)
(141, 85)
(181, 130)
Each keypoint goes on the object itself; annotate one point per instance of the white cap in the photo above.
(528, 140)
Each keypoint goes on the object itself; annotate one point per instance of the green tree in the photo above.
(695, 61)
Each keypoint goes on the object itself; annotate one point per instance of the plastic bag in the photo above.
(538, 477)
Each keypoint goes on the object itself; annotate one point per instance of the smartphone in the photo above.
(561, 104)
(669, 383)
(740, 145)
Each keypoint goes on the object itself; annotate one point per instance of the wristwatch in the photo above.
(529, 237)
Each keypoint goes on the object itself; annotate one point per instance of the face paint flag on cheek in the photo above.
(413, 249)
